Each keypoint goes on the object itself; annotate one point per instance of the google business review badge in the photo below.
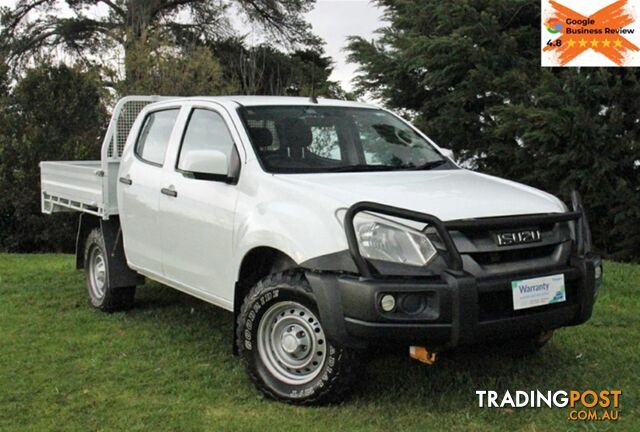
(590, 33)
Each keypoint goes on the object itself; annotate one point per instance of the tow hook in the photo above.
(423, 355)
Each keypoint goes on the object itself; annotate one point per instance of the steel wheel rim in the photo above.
(291, 343)
(97, 272)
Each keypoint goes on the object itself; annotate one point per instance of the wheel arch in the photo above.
(86, 224)
(120, 274)
(257, 263)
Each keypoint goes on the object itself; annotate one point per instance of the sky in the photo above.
(334, 21)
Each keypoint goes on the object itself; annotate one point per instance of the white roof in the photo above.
(273, 100)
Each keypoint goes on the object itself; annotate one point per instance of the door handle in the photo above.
(125, 180)
(169, 192)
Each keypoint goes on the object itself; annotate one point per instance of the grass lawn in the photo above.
(167, 365)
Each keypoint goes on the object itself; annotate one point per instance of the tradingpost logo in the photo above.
(585, 405)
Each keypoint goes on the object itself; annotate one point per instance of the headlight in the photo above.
(385, 240)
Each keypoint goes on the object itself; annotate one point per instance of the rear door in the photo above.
(198, 214)
(140, 180)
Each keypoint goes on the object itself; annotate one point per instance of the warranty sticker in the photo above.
(590, 33)
(538, 291)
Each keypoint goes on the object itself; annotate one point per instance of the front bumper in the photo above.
(446, 311)
(453, 307)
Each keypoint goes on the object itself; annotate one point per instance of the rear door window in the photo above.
(155, 134)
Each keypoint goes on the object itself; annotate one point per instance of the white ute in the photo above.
(325, 227)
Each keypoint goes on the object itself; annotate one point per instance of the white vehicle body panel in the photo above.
(447, 194)
(139, 204)
(72, 185)
(197, 225)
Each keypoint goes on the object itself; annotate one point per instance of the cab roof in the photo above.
(249, 101)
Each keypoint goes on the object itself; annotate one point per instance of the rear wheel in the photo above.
(96, 264)
(284, 347)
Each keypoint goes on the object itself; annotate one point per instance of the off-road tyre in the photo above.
(335, 374)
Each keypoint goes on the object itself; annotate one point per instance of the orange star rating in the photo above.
(606, 42)
(571, 43)
(618, 43)
(583, 43)
(594, 42)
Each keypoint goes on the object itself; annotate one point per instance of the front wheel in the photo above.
(284, 347)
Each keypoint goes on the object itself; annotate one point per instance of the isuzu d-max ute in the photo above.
(326, 227)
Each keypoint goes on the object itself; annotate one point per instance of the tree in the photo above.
(4, 83)
(154, 69)
(265, 70)
(580, 131)
(54, 113)
(469, 74)
(34, 27)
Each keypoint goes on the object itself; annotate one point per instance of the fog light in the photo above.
(387, 303)
(598, 272)
(412, 303)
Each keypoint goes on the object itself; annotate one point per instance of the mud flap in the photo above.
(120, 275)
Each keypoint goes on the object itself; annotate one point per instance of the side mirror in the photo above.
(448, 153)
(212, 163)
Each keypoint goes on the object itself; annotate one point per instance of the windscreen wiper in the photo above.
(425, 166)
(361, 168)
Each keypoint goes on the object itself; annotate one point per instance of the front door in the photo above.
(197, 215)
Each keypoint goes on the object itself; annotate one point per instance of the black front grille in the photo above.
(482, 256)
(509, 256)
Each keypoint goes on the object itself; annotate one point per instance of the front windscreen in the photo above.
(310, 139)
